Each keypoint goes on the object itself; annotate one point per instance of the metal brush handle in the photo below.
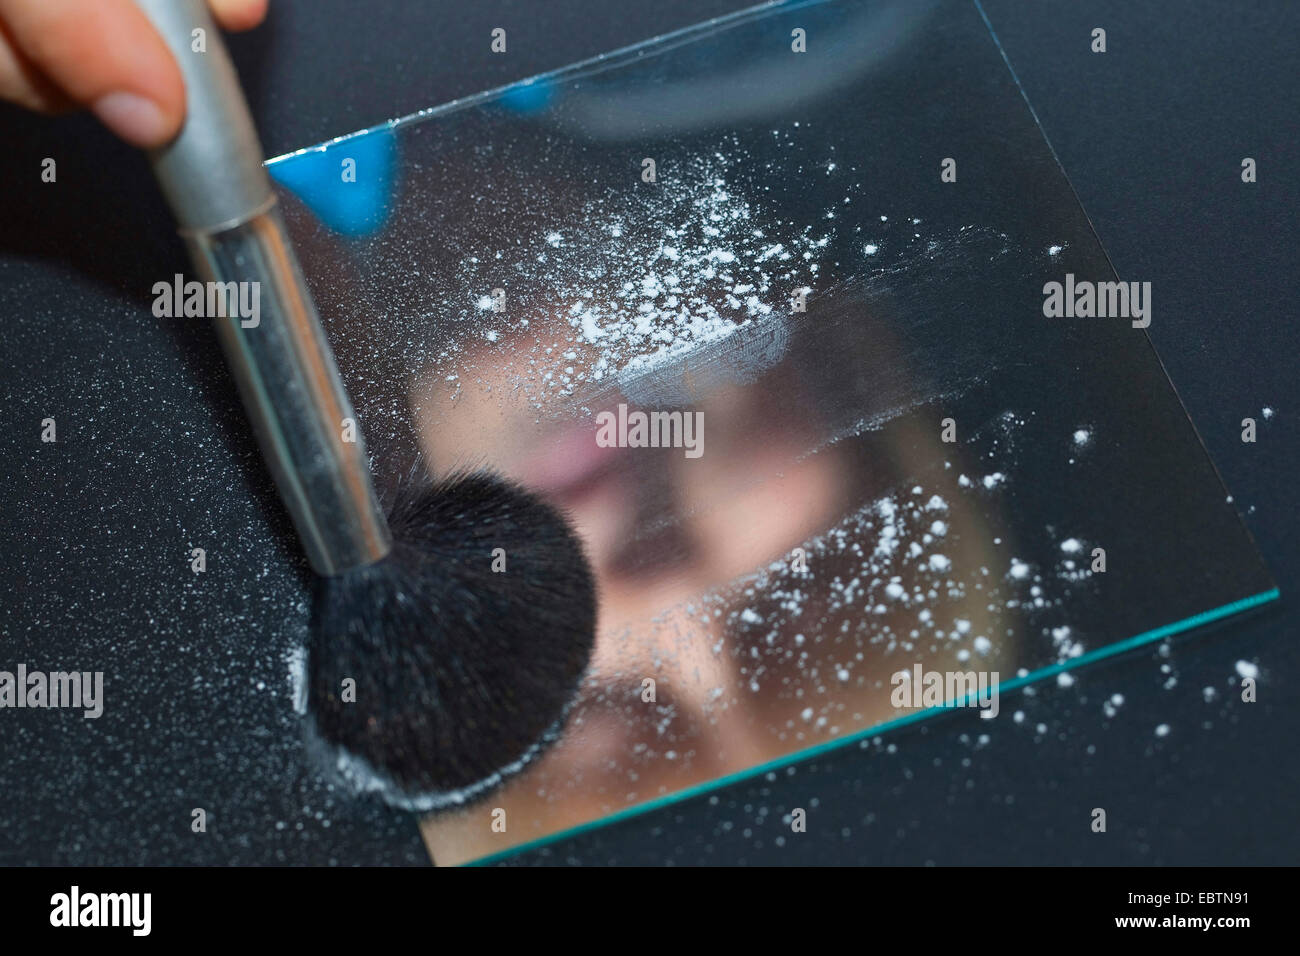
(213, 178)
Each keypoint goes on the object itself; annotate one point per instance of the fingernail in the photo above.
(136, 119)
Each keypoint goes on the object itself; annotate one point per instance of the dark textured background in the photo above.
(1151, 134)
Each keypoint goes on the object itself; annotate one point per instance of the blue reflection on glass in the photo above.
(348, 184)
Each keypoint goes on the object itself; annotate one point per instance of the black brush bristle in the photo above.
(461, 673)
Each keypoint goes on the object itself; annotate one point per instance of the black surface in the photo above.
(1151, 134)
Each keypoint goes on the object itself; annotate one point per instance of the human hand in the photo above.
(101, 54)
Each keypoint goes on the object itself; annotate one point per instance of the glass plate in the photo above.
(763, 305)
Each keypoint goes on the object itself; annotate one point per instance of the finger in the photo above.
(23, 84)
(103, 54)
(238, 14)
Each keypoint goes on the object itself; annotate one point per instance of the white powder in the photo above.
(644, 280)
(1247, 670)
(879, 587)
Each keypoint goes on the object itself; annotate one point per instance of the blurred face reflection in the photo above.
(738, 678)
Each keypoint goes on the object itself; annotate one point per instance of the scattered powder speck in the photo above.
(1162, 730)
(1267, 412)
(643, 280)
(1082, 436)
(1247, 670)
(1066, 646)
(883, 592)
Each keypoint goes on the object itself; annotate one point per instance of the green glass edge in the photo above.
(1110, 650)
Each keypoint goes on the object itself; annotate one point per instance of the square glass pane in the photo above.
(761, 304)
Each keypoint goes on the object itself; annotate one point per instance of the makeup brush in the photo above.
(438, 663)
